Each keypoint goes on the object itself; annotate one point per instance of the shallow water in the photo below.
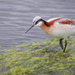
(16, 17)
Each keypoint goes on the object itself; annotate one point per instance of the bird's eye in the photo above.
(35, 22)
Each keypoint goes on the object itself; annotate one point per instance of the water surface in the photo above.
(16, 17)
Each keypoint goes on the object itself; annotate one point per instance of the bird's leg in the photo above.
(65, 46)
(61, 43)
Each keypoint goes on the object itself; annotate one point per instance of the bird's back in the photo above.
(61, 21)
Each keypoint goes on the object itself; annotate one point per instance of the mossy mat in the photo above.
(45, 58)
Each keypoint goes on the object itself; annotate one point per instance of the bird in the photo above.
(57, 27)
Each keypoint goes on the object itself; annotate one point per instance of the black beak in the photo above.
(29, 29)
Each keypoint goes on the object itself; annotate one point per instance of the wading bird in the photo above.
(56, 27)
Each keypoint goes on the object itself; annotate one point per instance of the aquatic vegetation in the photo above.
(45, 58)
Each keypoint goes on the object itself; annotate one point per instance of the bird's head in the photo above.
(37, 21)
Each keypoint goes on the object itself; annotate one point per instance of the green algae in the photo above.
(45, 58)
(1, 57)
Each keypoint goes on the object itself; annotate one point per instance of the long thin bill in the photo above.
(29, 29)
